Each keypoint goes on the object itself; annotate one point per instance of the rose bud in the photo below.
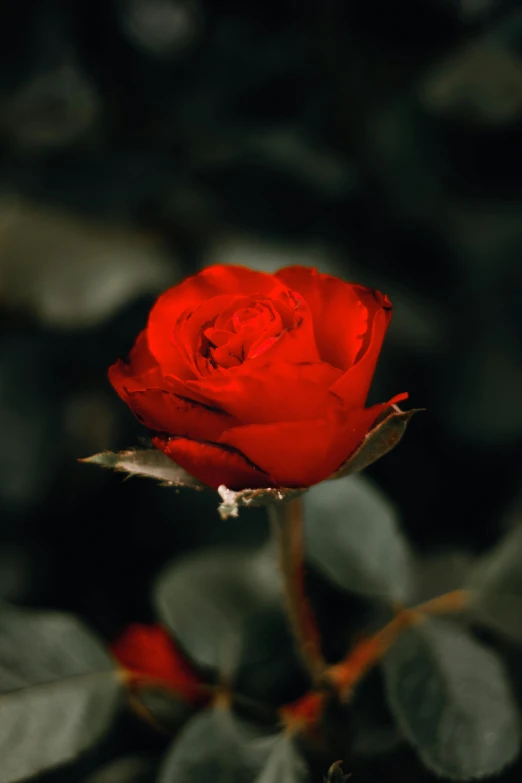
(255, 380)
(150, 657)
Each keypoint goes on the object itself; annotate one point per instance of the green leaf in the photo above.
(208, 599)
(284, 765)
(352, 536)
(148, 463)
(215, 746)
(495, 585)
(59, 692)
(452, 700)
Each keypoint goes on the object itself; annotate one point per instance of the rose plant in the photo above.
(255, 385)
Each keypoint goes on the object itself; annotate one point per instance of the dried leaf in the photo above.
(233, 501)
(149, 463)
(378, 442)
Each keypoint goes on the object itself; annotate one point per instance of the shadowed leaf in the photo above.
(452, 701)
(352, 536)
(59, 692)
(284, 764)
(128, 769)
(208, 599)
(495, 585)
(216, 746)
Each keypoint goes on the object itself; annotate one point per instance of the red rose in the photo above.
(257, 380)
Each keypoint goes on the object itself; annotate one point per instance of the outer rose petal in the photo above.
(339, 312)
(213, 281)
(277, 392)
(355, 384)
(213, 464)
(299, 454)
(164, 411)
(140, 364)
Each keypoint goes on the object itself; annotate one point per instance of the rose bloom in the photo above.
(257, 380)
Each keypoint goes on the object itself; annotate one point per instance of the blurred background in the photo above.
(140, 140)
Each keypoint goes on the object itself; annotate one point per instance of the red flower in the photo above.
(257, 380)
(150, 655)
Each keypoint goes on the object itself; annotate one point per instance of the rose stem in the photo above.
(287, 525)
(366, 653)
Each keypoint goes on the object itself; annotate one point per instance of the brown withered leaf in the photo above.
(379, 441)
(149, 463)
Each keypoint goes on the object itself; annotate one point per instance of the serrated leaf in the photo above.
(352, 536)
(59, 692)
(495, 585)
(284, 764)
(216, 746)
(379, 441)
(452, 700)
(207, 601)
(148, 463)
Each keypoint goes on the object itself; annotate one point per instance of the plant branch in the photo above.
(287, 525)
(368, 652)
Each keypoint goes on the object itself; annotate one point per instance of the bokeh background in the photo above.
(143, 139)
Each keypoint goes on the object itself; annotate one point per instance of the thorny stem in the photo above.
(287, 526)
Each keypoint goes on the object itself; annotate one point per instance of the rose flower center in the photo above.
(246, 329)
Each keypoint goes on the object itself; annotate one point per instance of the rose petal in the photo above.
(276, 392)
(343, 313)
(213, 464)
(213, 281)
(140, 363)
(165, 411)
(299, 454)
(339, 315)
(354, 385)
